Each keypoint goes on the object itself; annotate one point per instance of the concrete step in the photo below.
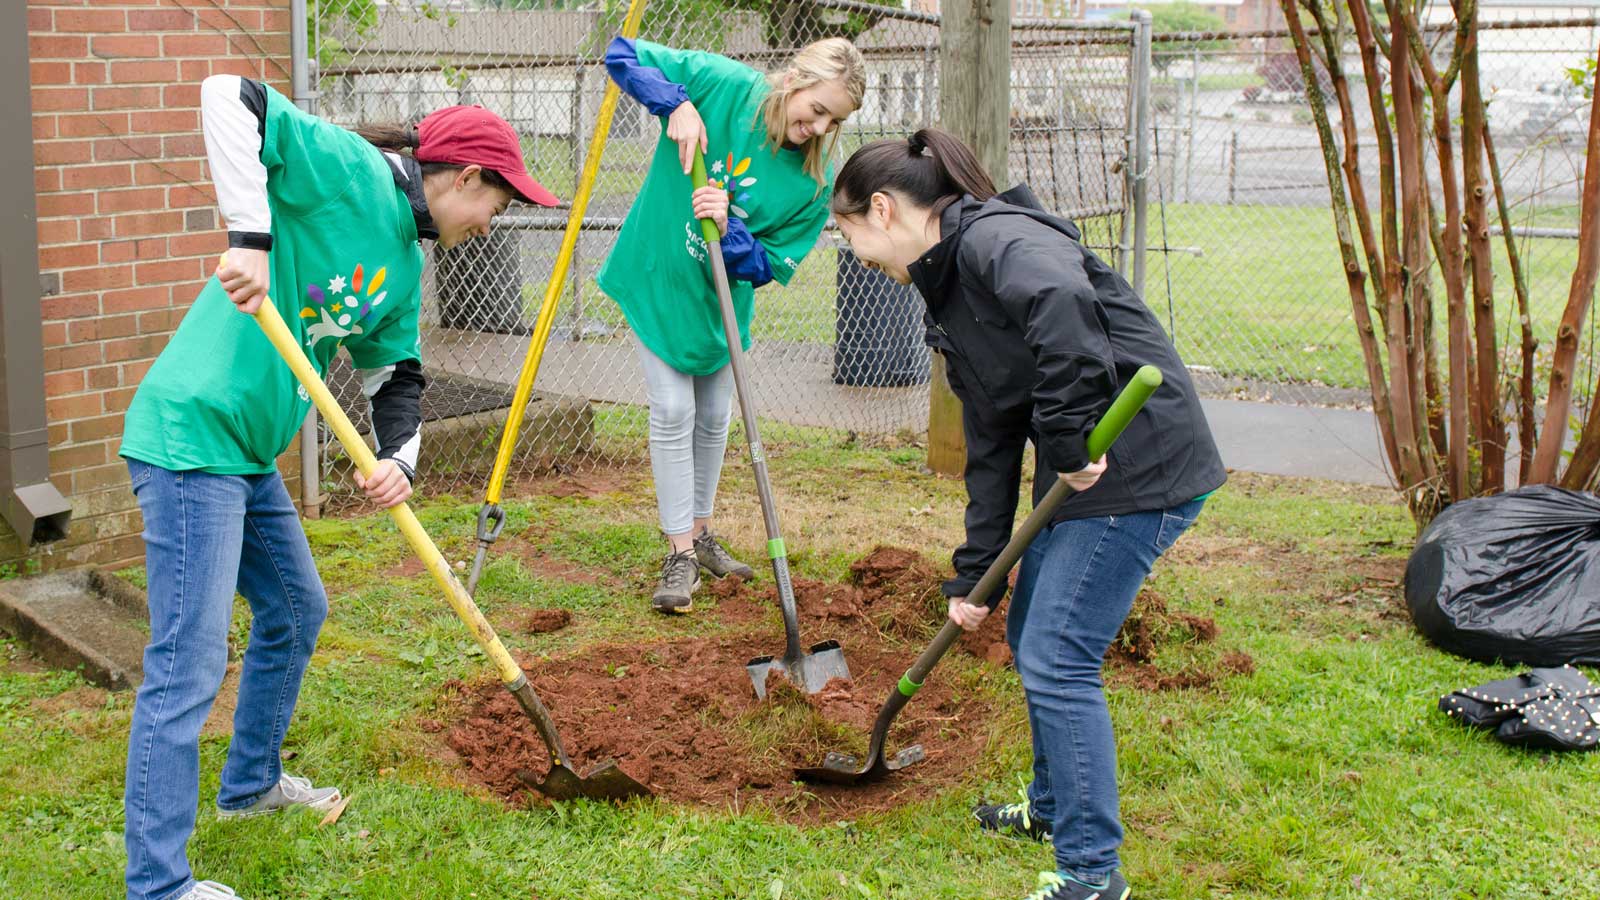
(86, 619)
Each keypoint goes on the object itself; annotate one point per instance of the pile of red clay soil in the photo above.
(681, 716)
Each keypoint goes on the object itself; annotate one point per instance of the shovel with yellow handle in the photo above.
(562, 782)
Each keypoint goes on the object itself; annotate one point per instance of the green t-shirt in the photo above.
(346, 271)
(658, 272)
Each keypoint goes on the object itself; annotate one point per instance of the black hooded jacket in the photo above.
(1038, 335)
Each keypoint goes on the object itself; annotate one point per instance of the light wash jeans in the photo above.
(205, 537)
(688, 433)
(1076, 586)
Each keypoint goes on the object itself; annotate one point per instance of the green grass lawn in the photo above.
(1325, 774)
(1265, 297)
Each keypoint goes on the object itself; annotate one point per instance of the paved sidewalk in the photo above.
(1304, 441)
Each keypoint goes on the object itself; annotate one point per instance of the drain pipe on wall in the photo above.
(32, 506)
(300, 85)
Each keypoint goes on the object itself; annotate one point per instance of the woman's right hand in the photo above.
(686, 129)
(244, 274)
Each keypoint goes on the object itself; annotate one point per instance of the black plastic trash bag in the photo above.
(1514, 577)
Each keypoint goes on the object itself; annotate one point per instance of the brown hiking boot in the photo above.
(716, 559)
(680, 577)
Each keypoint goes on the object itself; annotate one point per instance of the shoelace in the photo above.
(714, 547)
(676, 569)
(1049, 882)
(1011, 809)
(295, 790)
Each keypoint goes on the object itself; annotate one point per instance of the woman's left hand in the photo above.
(711, 202)
(388, 486)
(1085, 478)
(969, 616)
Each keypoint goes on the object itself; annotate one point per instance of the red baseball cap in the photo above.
(474, 136)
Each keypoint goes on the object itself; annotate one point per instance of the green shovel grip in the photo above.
(1134, 394)
(707, 227)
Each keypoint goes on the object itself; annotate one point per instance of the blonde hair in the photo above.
(831, 59)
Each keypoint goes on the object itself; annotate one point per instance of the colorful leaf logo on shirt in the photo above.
(733, 183)
(338, 312)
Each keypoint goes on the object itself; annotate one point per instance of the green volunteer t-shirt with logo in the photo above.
(345, 272)
(659, 272)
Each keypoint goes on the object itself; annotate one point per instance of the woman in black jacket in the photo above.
(1038, 335)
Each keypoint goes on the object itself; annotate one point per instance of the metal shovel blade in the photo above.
(606, 782)
(811, 672)
(842, 768)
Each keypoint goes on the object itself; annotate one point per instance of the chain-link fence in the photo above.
(838, 351)
(1246, 271)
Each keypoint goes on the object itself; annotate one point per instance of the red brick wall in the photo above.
(128, 228)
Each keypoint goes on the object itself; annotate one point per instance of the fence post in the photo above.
(1141, 146)
(975, 105)
(1233, 163)
(300, 87)
(577, 173)
(1194, 122)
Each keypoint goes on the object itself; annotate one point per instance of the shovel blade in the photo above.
(842, 768)
(811, 673)
(606, 782)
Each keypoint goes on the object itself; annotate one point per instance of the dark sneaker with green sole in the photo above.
(680, 578)
(715, 558)
(1012, 820)
(1055, 886)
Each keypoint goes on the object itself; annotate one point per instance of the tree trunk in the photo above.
(1527, 435)
(1579, 298)
(1491, 419)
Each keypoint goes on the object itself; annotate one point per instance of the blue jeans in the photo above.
(1076, 586)
(205, 537)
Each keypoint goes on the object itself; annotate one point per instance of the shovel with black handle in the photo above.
(810, 669)
(842, 768)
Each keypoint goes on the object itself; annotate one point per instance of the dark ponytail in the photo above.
(395, 137)
(404, 139)
(932, 169)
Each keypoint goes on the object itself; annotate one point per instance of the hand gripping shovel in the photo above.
(808, 670)
(842, 768)
(607, 782)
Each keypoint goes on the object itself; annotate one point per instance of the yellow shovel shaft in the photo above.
(278, 333)
(558, 276)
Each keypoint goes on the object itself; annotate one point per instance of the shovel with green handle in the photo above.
(811, 669)
(842, 768)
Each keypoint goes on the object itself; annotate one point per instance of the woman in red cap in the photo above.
(331, 222)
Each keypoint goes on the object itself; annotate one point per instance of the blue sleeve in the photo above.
(746, 258)
(643, 83)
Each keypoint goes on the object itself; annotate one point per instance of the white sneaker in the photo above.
(289, 791)
(209, 890)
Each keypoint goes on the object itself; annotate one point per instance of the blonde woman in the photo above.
(767, 140)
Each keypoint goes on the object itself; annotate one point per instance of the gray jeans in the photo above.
(688, 432)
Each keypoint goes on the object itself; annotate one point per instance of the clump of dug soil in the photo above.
(681, 716)
(544, 621)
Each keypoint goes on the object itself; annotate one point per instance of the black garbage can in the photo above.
(879, 335)
(480, 284)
